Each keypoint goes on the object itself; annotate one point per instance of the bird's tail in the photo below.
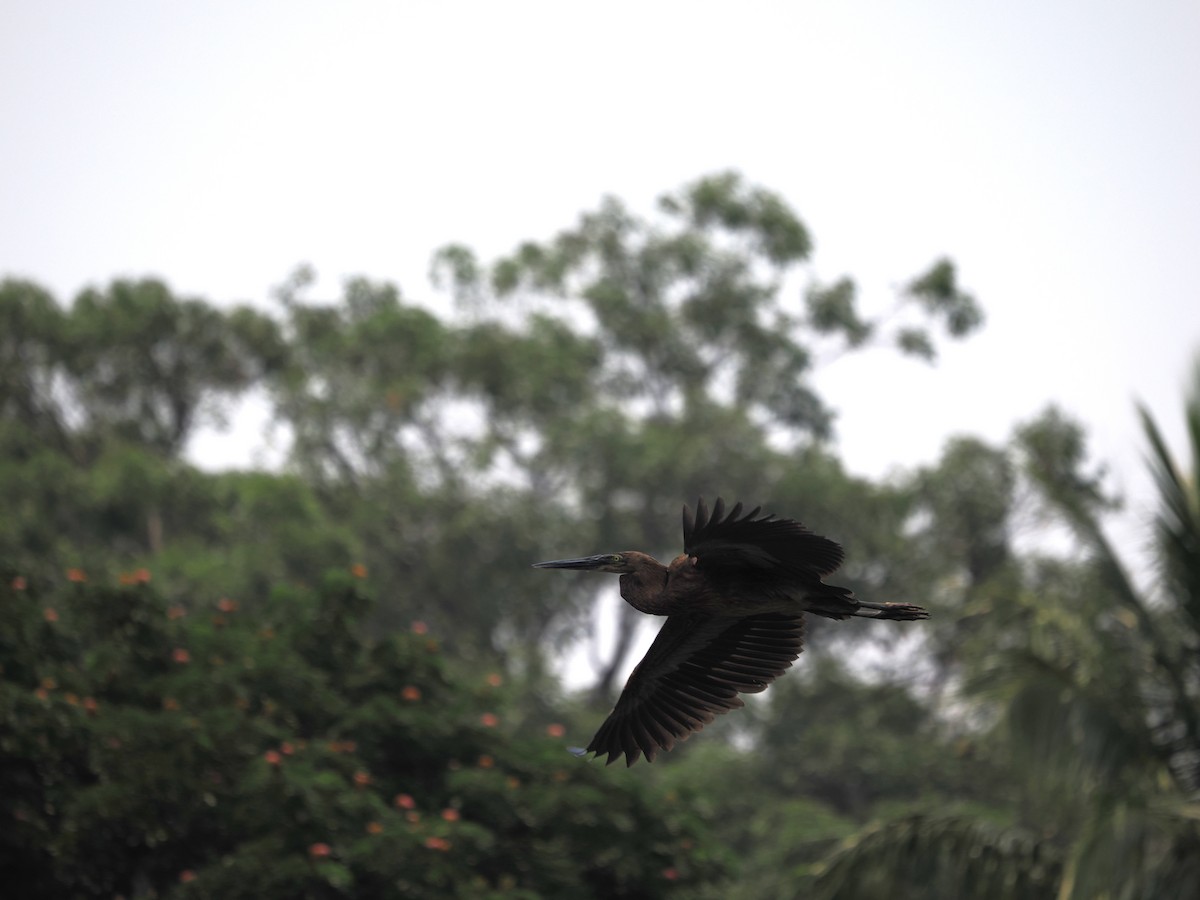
(835, 602)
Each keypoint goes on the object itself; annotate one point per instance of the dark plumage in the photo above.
(735, 603)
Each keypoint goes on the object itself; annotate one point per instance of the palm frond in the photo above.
(1138, 850)
(933, 857)
(1177, 525)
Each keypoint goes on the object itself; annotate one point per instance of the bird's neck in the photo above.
(645, 590)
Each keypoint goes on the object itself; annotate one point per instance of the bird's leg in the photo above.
(902, 611)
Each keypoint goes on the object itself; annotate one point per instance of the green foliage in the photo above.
(1083, 685)
(831, 310)
(969, 499)
(32, 351)
(938, 292)
(143, 363)
(213, 751)
(1177, 526)
(1037, 737)
(915, 342)
(912, 757)
(944, 859)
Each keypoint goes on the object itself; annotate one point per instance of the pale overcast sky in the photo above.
(1051, 149)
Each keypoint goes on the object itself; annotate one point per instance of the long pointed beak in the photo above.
(583, 562)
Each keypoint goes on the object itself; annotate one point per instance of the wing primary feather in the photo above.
(704, 699)
(683, 711)
(657, 732)
(700, 713)
(629, 744)
(660, 736)
(664, 718)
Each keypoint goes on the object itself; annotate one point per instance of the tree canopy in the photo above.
(340, 678)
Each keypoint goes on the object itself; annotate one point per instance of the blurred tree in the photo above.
(33, 352)
(145, 365)
(1094, 688)
(96, 405)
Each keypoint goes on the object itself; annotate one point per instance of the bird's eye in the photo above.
(616, 558)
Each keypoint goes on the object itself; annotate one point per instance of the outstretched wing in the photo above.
(728, 545)
(692, 673)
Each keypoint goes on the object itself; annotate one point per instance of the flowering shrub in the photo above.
(277, 753)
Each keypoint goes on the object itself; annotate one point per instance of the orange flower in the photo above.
(272, 757)
(555, 730)
(176, 612)
(187, 875)
(411, 693)
(494, 679)
(76, 575)
(226, 605)
(361, 779)
(286, 748)
(358, 570)
(513, 782)
(319, 851)
(437, 843)
(72, 699)
(670, 873)
(450, 815)
(142, 576)
(90, 706)
(42, 694)
(374, 828)
(170, 703)
(127, 578)
(50, 614)
(181, 656)
(404, 801)
(420, 628)
(18, 583)
(413, 816)
(49, 684)
(486, 762)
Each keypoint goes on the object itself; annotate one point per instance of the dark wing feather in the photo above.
(726, 544)
(692, 673)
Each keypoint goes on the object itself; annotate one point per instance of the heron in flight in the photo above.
(735, 602)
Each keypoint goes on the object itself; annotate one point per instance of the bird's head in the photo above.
(619, 563)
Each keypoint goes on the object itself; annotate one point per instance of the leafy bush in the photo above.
(213, 751)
